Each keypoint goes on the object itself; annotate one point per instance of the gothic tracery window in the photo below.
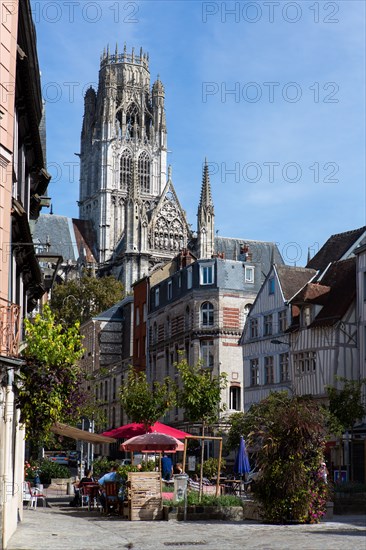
(143, 170)
(132, 121)
(125, 169)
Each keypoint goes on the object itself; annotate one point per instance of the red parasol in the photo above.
(130, 430)
(152, 442)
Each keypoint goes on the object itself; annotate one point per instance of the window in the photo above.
(137, 316)
(144, 312)
(206, 274)
(168, 327)
(157, 296)
(254, 372)
(207, 354)
(132, 121)
(249, 274)
(306, 316)
(282, 320)
(143, 171)
(114, 389)
(268, 370)
(179, 280)
(235, 398)
(246, 311)
(169, 290)
(254, 328)
(267, 325)
(189, 278)
(125, 169)
(305, 362)
(271, 285)
(284, 367)
(106, 391)
(207, 314)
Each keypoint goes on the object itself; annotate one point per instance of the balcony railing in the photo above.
(9, 328)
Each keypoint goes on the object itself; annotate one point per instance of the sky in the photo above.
(271, 93)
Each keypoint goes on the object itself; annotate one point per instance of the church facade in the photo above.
(126, 188)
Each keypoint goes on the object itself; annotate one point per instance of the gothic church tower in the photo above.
(123, 170)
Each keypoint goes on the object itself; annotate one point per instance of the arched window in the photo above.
(143, 170)
(125, 169)
(234, 398)
(207, 314)
(132, 121)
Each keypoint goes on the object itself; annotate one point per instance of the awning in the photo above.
(76, 433)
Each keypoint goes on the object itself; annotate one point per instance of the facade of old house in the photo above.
(265, 343)
(23, 184)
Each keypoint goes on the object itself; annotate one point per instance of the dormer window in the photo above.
(249, 274)
(306, 316)
(206, 274)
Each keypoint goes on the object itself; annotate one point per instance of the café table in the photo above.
(233, 486)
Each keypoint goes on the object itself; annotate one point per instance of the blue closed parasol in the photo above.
(242, 465)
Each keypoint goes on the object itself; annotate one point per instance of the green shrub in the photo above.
(208, 500)
(50, 470)
(210, 467)
(101, 466)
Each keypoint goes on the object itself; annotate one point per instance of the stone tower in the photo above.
(124, 189)
(205, 219)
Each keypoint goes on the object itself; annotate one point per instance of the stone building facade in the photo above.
(23, 183)
(108, 353)
(199, 311)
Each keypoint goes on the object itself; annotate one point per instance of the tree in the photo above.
(145, 403)
(238, 426)
(288, 436)
(84, 298)
(200, 395)
(345, 405)
(50, 380)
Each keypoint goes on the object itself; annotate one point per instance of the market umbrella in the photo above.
(242, 466)
(129, 430)
(157, 442)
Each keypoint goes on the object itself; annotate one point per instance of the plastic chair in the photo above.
(89, 493)
(111, 490)
(32, 494)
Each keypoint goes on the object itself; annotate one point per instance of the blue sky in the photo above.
(271, 93)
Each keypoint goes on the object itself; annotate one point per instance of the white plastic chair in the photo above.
(32, 494)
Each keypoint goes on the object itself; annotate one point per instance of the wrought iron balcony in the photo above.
(9, 328)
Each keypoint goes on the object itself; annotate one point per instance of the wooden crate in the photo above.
(144, 496)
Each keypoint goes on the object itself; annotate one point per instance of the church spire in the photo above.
(206, 197)
(206, 218)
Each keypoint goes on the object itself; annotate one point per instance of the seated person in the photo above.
(112, 475)
(178, 468)
(166, 467)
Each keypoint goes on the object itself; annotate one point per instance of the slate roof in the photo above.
(70, 238)
(292, 279)
(336, 247)
(114, 313)
(262, 252)
(338, 290)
